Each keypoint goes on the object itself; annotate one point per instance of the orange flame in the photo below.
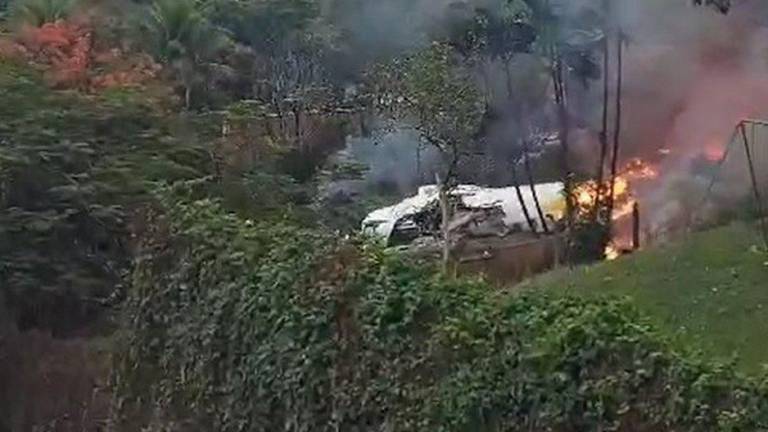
(636, 170)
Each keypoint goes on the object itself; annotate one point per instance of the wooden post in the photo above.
(636, 226)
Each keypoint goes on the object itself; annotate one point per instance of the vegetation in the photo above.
(72, 170)
(708, 292)
(163, 165)
(241, 325)
(38, 12)
(439, 101)
(182, 38)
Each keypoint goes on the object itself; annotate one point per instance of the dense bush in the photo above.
(72, 168)
(237, 325)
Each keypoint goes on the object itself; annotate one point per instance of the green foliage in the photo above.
(589, 240)
(494, 33)
(267, 25)
(249, 325)
(181, 37)
(708, 292)
(39, 12)
(71, 171)
(432, 92)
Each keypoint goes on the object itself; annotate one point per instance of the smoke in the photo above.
(691, 75)
(396, 161)
(376, 30)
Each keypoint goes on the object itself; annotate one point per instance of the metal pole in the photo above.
(755, 188)
(720, 164)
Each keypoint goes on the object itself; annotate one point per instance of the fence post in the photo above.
(636, 226)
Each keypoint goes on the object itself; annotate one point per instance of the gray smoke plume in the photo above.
(690, 75)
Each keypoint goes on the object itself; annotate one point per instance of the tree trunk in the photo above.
(187, 96)
(604, 130)
(558, 79)
(445, 220)
(297, 124)
(617, 127)
(486, 84)
(508, 75)
(419, 177)
(532, 184)
(521, 199)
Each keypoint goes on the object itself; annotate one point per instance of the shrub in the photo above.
(72, 170)
(238, 325)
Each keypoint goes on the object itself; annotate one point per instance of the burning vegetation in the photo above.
(596, 203)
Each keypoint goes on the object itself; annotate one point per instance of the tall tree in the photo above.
(183, 39)
(435, 95)
(489, 37)
(567, 41)
(617, 120)
(603, 137)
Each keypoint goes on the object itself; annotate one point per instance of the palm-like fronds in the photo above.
(39, 12)
(181, 37)
(177, 29)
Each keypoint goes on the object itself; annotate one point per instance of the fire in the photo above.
(637, 169)
(612, 253)
(633, 172)
(624, 210)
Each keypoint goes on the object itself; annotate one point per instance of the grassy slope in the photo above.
(709, 292)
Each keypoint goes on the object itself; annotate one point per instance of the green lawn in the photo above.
(710, 292)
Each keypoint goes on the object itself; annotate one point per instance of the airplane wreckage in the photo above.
(489, 231)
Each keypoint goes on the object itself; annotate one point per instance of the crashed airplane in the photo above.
(488, 231)
(480, 212)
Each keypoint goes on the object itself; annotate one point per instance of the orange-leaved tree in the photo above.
(66, 51)
(63, 48)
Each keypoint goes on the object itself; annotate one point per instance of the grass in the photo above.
(709, 292)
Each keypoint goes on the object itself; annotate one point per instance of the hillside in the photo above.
(708, 292)
(267, 324)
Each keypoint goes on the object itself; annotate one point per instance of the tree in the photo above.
(617, 126)
(432, 93)
(38, 12)
(72, 171)
(184, 40)
(486, 37)
(568, 36)
(604, 120)
(267, 26)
